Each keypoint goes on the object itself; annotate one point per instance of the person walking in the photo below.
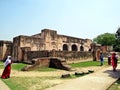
(114, 59)
(101, 58)
(109, 59)
(7, 69)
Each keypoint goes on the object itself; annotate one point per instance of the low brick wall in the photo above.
(73, 55)
(36, 54)
(67, 55)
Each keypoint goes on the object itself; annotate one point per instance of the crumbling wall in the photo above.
(48, 40)
(5, 49)
(22, 42)
(36, 54)
(67, 55)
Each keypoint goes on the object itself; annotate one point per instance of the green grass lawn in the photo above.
(28, 83)
(1, 65)
(15, 66)
(87, 64)
(1, 62)
(115, 86)
(22, 83)
(19, 66)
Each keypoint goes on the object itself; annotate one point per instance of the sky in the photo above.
(77, 18)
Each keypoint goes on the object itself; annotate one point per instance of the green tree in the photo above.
(116, 46)
(118, 34)
(105, 39)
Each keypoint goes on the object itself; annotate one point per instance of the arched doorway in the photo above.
(81, 48)
(74, 47)
(65, 47)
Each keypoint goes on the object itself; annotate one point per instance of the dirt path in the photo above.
(50, 73)
(101, 80)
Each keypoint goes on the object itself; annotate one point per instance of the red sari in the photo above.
(7, 70)
(114, 61)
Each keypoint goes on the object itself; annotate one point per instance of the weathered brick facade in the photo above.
(47, 40)
(24, 48)
(67, 55)
(5, 49)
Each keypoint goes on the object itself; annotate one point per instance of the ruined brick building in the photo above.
(46, 40)
(5, 49)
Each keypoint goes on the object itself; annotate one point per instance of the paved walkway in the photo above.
(100, 80)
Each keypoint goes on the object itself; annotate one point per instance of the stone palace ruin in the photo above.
(46, 44)
(47, 40)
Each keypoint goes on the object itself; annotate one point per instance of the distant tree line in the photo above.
(109, 39)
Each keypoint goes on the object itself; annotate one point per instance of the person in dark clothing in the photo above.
(101, 58)
(109, 59)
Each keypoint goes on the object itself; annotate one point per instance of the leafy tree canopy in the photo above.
(118, 34)
(105, 39)
(116, 46)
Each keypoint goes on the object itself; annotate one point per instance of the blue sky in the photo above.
(77, 18)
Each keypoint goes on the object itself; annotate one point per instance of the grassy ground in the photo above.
(1, 65)
(115, 86)
(40, 83)
(15, 66)
(19, 66)
(87, 64)
(30, 83)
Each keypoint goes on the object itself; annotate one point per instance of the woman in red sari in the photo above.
(7, 69)
(114, 61)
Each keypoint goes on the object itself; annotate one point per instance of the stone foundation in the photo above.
(48, 62)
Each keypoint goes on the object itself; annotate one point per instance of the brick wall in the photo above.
(71, 55)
